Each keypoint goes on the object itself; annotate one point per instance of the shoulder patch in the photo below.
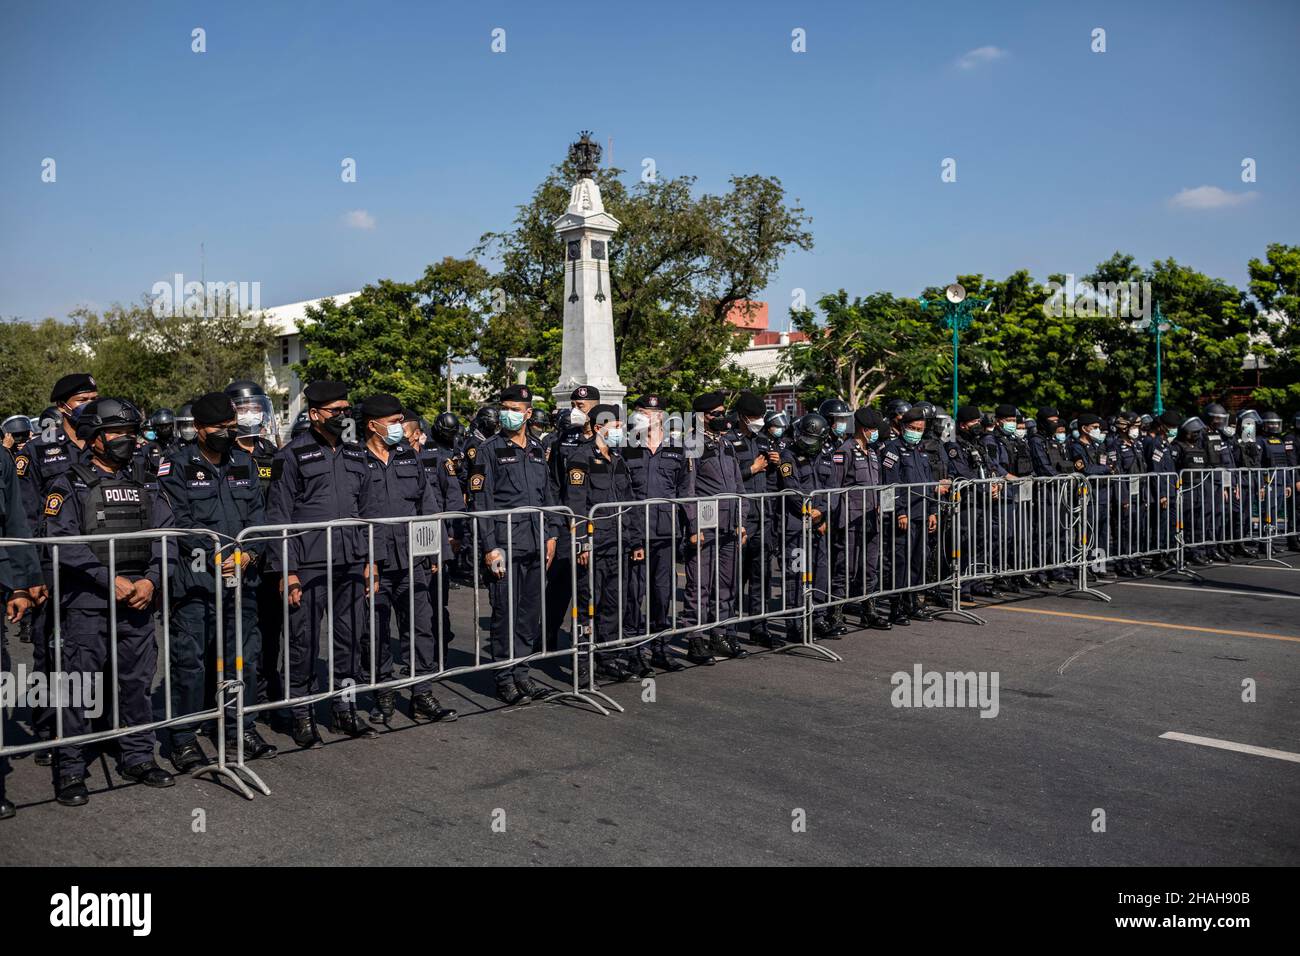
(164, 468)
(53, 503)
(577, 476)
(471, 452)
(476, 481)
(20, 465)
(787, 469)
(952, 452)
(450, 465)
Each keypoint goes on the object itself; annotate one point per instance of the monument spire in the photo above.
(587, 355)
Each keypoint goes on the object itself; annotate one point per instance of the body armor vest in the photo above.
(117, 506)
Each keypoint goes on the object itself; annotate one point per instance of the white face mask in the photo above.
(1229, 430)
(1134, 432)
(249, 419)
(1020, 433)
(577, 417)
(755, 425)
(1094, 434)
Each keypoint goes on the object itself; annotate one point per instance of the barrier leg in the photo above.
(806, 641)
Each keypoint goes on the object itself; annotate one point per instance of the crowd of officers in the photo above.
(758, 511)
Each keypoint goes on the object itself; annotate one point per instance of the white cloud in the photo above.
(1209, 197)
(359, 219)
(981, 54)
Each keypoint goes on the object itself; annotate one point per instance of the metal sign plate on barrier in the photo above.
(1024, 492)
(707, 515)
(1134, 486)
(886, 499)
(426, 538)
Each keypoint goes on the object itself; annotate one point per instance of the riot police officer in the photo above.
(109, 492)
(1192, 458)
(1130, 500)
(611, 540)
(510, 471)
(968, 459)
(162, 428)
(1216, 436)
(1276, 493)
(658, 470)
(1091, 457)
(1162, 468)
(863, 477)
(902, 463)
(323, 476)
(185, 430)
(442, 468)
(751, 446)
(17, 431)
(711, 566)
(212, 484)
(831, 576)
(804, 555)
(400, 488)
(1050, 458)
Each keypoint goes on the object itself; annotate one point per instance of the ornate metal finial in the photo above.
(585, 154)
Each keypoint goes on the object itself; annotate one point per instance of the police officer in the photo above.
(658, 470)
(185, 430)
(162, 428)
(1247, 455)
(571, 437)
(1276, 494)
(863, 515)
(831, 574)
(903, 463)
(20, 571)
(1010, 458)
(17, 431)
(1214, 502)
(1091, 457)
(968, 459)
(1131, 498)
(212, 484)
(539, 424)
(42, 462)
(108, 493)
(798, 472)
(442, 468)
(400, 488)
(596, 474)
(510, 471)
(1162, 468)
(323, 477)
(1050, 458)
(1191, 458)
(711, 566)
(932, 445)
(751, 446)
(1291, 443)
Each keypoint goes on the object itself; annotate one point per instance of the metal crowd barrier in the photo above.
(1250, 507)
(54, 552)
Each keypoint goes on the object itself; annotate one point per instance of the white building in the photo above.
(281, 382)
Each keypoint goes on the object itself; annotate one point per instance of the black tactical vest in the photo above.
(117, 506)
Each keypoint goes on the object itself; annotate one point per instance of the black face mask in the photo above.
(221, 441)
(119, 451)
(165, 435)
(21, 438)
(717, 424)
(334, 425)
(808, 446)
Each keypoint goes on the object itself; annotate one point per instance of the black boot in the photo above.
(698, 650)
(426, 707)
(612, 668)
(385, 705)
(771, 639)
(916, 610)
(149, 774)
(7, 809)
(188, 756)
(255, 748)
(874, 619)
(666, 661)
(72, 792)
(352, 724)
(898, 612)
(305, 734)
(639, 666)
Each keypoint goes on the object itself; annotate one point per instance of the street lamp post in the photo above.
(956, 315)
(1158, 326)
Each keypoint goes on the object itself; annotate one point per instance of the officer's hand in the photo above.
(141, 595)
(816, 515)
(902, 522)
(19, 604)
(995, 490)
(932, 523)
(496, 562)
(1164, 502)
(774, 457)
(694, 538)
(638, 554)
(371, 576)
(582, 559)
(295, 589)
(40, 594)
(945, 486)
(760, 464)
(455, 545)
(550, 552)
(742, 534)
(122, 587)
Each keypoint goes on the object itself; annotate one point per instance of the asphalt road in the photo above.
(726, 761)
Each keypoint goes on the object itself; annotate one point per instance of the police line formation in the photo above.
(200, 570)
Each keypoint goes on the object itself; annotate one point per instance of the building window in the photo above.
(770, 402)
(284, 350)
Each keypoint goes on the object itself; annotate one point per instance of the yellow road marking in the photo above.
(1161, 624)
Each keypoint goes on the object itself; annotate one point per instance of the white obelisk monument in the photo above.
(588, 356)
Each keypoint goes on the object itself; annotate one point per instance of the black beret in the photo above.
(1046, 412)
(1171, 419)
(212, 409)
(600, 414)
(1005, 411)
(648, 401)
(868, 418)
(72, 384)
(323, 393)
(1087, 418)
(707, 402)
(585, 393)
(380, 406)
(913, 414)
(516, 393)
(968, 413)
(750, 405)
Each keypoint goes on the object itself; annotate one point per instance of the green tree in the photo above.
(1275, 285)
(678, 265)
(397, 337)
(32, 357)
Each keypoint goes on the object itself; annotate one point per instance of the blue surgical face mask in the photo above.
(393, 434)
(151, 435)
(510, 420)
(1009, 428)
(873, 436)
(911, 437)
(777, 432)
(841, 429)
(614, 437)
(1060, 437)
(1171, 433)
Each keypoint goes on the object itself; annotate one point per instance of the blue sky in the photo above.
(1063, 155)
